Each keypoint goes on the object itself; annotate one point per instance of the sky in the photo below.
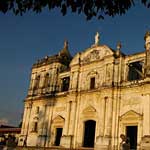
(24, 39)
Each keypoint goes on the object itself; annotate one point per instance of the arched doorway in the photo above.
(89, 133)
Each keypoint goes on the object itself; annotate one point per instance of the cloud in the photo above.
(3, 121)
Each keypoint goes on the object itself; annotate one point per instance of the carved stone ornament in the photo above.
(89, 109)
(94, 55)
(131, 115)
(58, 120)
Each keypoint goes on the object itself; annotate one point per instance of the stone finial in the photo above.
(119, 45)
(97, 38)
(146, 35)
(46, 57)
(118, 51)
(65, 44)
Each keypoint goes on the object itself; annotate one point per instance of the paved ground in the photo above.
(42, 148)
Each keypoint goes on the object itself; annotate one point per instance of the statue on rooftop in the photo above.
(97, 38)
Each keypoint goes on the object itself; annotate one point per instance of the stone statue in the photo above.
(97, 38)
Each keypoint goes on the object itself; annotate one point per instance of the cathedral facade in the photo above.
(89, 100)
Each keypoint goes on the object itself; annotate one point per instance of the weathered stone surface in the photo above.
(113, 103)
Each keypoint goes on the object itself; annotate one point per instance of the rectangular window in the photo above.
(65, 84)
(135, 71)
(92, 83)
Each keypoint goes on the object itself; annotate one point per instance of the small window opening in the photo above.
(92, 83)
(135, 71)
(65, 84)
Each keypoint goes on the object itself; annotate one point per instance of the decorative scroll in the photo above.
(94, 55)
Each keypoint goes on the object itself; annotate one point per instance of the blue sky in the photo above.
(24, 39)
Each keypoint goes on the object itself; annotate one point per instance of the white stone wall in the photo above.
(114, 103)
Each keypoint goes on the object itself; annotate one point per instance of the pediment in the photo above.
(95, 53)
(131, 115)
(58, 119)
(92, 54)
(89, 109)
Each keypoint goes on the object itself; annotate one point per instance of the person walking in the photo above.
(125, 144)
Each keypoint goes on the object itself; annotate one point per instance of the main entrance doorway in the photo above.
(131, 133)
(89, 133)
(58, 136)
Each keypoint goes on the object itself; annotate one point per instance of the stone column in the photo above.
(27, 124)
(50, 114)
(52, 79)
(69, 125)
(72, 118)
(27, 121)
(102, 142)
(146, 119)
(145, 142)
(43, 127)
(42, 80)
(108, 125)
(24, 120)
(102, 118)
(23, 129)
(147, 52)
(48, 126)
(67, 121)
(108, 117)
(32, 84)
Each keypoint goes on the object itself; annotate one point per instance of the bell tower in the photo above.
(147, 51)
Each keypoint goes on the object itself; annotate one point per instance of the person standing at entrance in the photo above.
(124, 145)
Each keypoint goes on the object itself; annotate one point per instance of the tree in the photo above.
(90, 8)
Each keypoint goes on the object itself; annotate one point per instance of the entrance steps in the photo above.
(50, 148)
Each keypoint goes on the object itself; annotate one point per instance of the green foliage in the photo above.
(90, 8)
